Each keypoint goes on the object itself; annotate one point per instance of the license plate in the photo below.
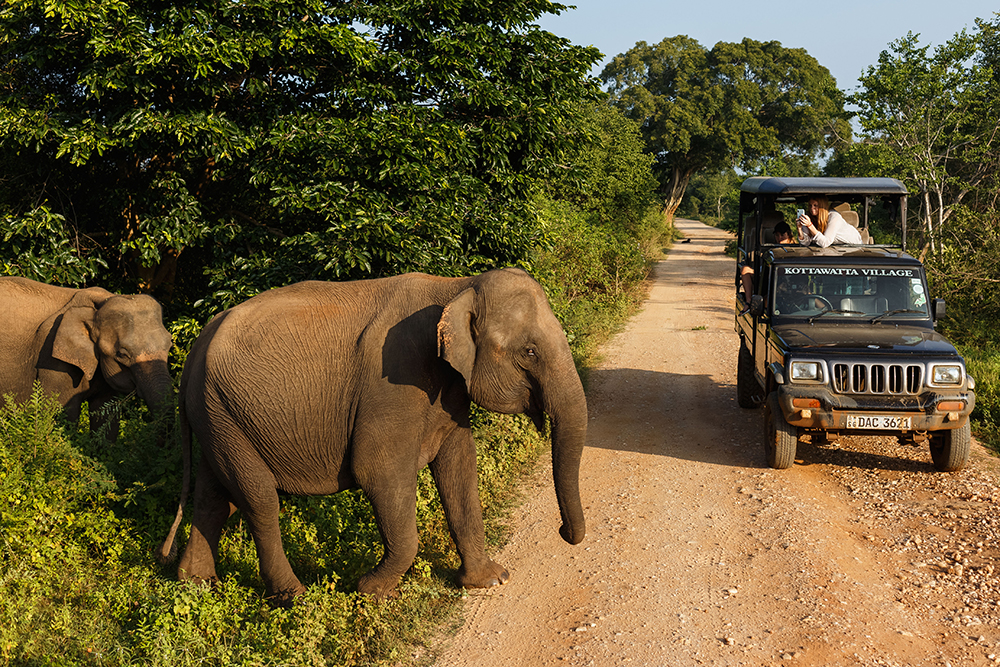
(879, 422)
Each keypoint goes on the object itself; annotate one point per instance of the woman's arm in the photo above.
(838, 230)
(821, 239)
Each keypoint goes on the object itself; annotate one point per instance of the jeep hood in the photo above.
(865, 338)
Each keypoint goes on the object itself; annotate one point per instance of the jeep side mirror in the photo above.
(937, 309)
(757, 305)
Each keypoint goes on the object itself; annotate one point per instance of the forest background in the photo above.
(204, 152)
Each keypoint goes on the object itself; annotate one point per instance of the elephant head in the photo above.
(502, 336)
(122, 336)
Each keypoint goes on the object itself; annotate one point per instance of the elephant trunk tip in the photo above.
(573, 535)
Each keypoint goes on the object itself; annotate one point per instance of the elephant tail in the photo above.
(168, 550)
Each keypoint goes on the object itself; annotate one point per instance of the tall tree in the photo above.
(275, 140)
(610, 175)
(737, 105)
(939, 116)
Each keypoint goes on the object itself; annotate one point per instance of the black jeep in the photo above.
(840, 340)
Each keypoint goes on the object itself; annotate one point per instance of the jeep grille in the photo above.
(869, 378)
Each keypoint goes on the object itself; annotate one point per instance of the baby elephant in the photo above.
(83, 345)
(319, 387)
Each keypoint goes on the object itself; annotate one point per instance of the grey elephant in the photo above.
(320, 387)
(84, 345)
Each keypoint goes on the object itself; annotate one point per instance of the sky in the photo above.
(845, 36)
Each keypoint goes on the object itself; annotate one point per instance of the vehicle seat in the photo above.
(869, 305)
(770, 219)
(852, 219)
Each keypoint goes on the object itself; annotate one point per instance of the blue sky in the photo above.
(845, 36)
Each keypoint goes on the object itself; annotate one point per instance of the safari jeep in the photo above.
(840, 340)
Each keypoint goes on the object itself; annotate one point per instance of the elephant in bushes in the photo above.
(84, 345)
(319, 387)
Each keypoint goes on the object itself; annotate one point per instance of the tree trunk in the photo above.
(928, 220)
(673, 191)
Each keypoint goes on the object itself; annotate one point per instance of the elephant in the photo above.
(85, 345)
(318, 387)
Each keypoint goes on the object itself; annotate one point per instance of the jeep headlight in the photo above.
(806, 371)
(947, 374)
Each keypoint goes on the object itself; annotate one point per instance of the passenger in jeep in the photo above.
(782, 234)
(823, 227)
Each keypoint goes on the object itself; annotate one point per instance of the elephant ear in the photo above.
(74, 339)
(455, 341)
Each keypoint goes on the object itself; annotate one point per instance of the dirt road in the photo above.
(698, 554)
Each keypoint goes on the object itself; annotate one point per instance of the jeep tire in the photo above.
(747, 390)
(950, 449)
(780, 437)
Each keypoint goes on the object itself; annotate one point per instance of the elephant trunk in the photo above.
(153, 384)
(567, 410)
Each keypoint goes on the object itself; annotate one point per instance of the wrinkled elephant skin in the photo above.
(319, 387)
(85, 345)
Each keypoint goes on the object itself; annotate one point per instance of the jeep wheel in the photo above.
(747, 389)
(780, 437)
(950, 449)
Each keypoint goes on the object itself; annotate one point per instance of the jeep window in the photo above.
(849, 292)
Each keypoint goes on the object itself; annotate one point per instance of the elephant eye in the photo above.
(530, 352)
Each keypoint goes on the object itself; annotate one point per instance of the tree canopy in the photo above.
(931, 118)
(263, 142)
(739, 105)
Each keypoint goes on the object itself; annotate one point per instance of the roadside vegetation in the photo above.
(80, 518)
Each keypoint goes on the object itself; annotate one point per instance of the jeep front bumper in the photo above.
(816, 407)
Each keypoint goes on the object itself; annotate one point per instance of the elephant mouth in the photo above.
(536, 410)
(537, 416)
(117, 377)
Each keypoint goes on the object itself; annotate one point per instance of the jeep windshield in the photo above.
(869, 293)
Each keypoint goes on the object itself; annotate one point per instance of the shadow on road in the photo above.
(849, 453)
(668, 414)
(695, 418)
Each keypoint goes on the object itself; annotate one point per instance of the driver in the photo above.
(792, 296)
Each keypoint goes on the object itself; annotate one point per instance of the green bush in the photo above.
(984, 366)
(591, 271)
(58, 539)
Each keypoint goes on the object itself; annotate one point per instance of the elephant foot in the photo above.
(198, 570)
(210, 580)
(378, 586)
(490, 574)
(285, 598)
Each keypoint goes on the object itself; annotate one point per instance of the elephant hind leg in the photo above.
(212, 508)
(252, 488)
(261, 512)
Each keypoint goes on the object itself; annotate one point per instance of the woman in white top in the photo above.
(823, 227)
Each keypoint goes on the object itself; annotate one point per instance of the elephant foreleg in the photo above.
(454, 470)
(393, 496)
